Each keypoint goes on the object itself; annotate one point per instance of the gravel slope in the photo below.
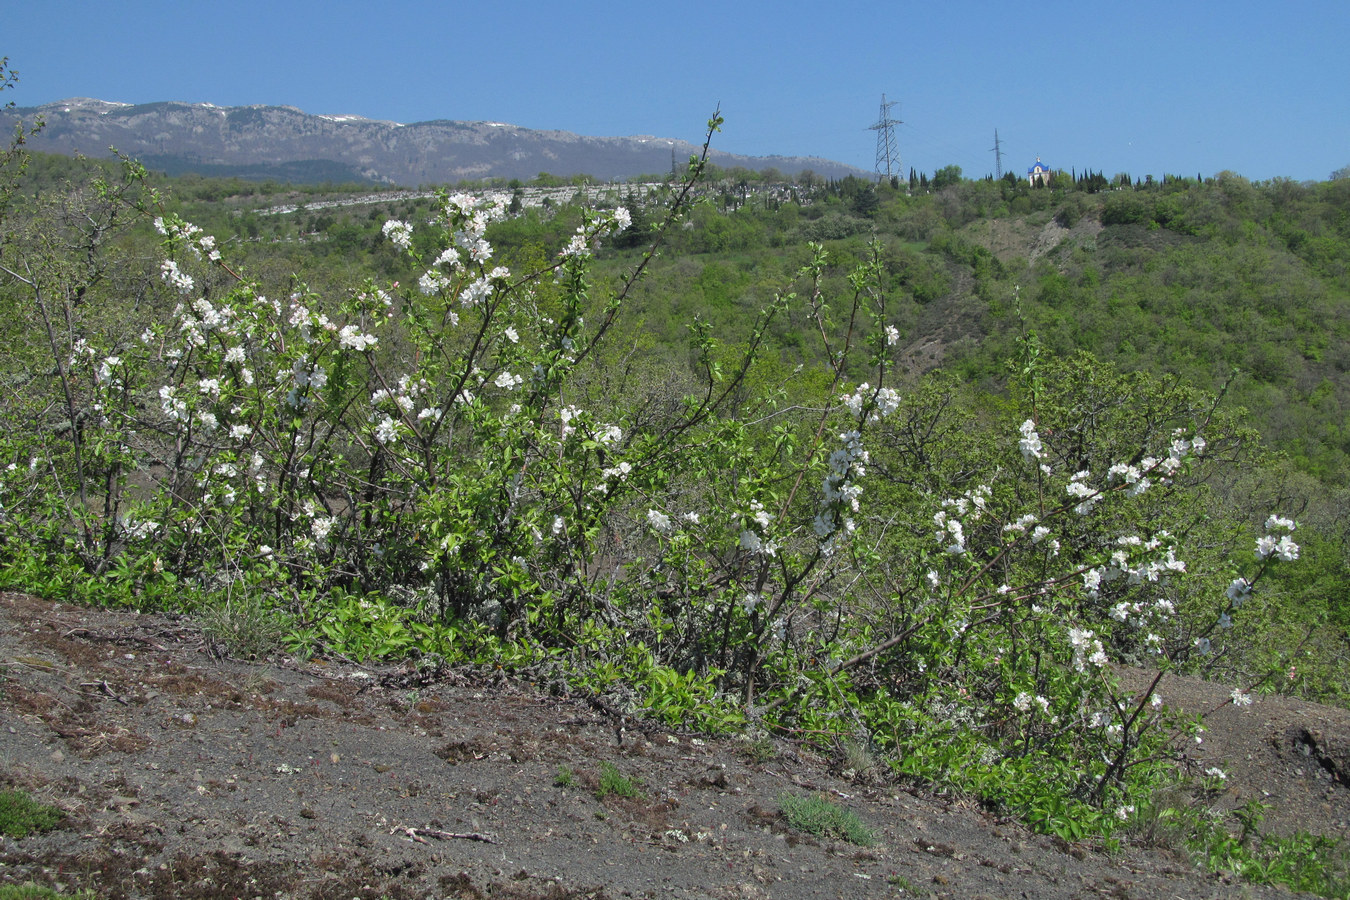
(188, 776)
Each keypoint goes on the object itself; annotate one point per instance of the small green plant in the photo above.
(245, 625)
(760, 750)
(612, 782)
(32, 891)
(21, 815)
(816, 815)
(858, 757)
(901, 884)
(565, 778)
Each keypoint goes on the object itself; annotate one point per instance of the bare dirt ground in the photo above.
(187, 776)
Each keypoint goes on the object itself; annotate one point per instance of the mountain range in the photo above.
(288, 144)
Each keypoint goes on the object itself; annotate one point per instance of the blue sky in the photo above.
(1147, 88)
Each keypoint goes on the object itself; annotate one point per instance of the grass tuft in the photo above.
(611, 782)
(818, 816)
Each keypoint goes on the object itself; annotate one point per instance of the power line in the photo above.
(998, 158)
(888, 151)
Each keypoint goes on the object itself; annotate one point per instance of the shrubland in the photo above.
(689, 456)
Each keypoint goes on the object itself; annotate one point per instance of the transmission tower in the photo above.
(888, 152)
(998, 158)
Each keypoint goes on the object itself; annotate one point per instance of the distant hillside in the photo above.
(286, 143)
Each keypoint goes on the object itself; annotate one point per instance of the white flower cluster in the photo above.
(469, 217)
(201, 244)
(1039, 535)
(172, 405)
(137, 530)
(1138, 561)
(839, 491)
(1143, 615)
(1087, 649)
(107, 370)
(391, 405)
(1280, 546)
(1023, 701)
(350, 337)
(1030, 443)
(432, 283)
(659, 521)
(753, 525)
(1129, 475)
(950, 530)
(587, 237)
(1136, 479)
(177, 279)
(1238, 592)
(1087, 495)
(867, 405)
(506, 381)
(568, 414)
(399, 234)
(320, 526)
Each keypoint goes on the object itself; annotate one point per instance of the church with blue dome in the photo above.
(1039, 174)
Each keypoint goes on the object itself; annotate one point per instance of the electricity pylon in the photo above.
(888, 152)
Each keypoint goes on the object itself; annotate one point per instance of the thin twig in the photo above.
(416, 835)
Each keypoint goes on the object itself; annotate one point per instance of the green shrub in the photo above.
(21, 815)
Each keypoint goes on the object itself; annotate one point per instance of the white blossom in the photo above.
(1238, 592)
(399, 233)
(351, 338)
(387, 431)
(1030, 443)
(179, 281)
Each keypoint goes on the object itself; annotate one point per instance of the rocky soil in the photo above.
(185, 775)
